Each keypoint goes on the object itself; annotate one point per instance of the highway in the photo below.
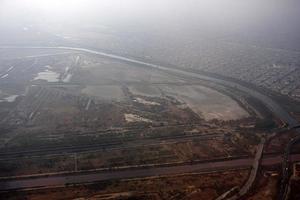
(80, 178)
(254, 169)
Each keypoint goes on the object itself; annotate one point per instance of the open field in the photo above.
(165, 152)
(50, 75)
(65, 98)
(206, 102)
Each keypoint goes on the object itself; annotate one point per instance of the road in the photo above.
(248, 185)
(80, 178)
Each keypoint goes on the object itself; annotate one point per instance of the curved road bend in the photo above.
(247, 186)
(52, 181)
(268, 102)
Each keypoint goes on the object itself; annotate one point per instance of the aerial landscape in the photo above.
(149, 100)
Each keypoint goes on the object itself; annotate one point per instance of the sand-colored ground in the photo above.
(206, 102)
(104, 92)
(145, 90)
(135, 118)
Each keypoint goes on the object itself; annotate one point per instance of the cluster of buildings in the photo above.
(274, 69)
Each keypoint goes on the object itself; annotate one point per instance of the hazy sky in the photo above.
(253, 17)
(210, 10)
